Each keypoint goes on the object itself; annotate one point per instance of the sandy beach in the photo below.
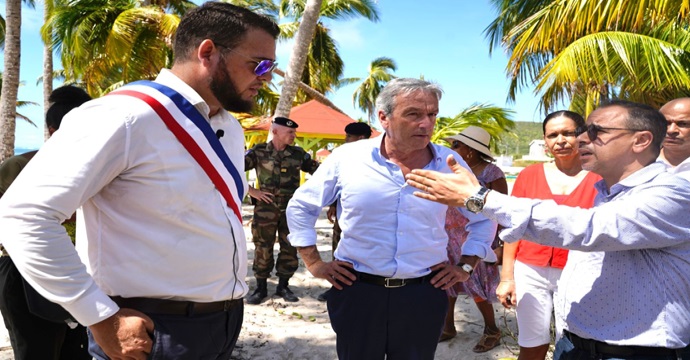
(278, 330)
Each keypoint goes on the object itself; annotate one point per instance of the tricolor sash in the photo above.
(195, 134)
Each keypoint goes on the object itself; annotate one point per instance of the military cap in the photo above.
(358, 129)
(285, 122)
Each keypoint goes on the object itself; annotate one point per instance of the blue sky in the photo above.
(442, 40)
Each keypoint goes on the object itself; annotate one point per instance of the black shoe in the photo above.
(259, 294)
(256, 297)
(284, 291)
(323, 297)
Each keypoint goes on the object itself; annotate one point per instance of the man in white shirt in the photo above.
(161, 252)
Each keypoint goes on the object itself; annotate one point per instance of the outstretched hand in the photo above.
(451, 189)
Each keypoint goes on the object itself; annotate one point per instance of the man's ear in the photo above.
(205, 51)
(642, 141)
(382, 118)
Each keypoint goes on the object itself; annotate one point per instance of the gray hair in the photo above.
(386, 100)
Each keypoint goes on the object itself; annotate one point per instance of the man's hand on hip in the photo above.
(124, 335)
(336, 272)
(448, 275)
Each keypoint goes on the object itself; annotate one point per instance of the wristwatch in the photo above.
(475, 203)
(466, 268)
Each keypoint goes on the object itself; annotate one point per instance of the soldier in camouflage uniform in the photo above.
(278, 166)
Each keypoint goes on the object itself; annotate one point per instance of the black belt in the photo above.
(390, 282)
(602, 348)
(174, 307)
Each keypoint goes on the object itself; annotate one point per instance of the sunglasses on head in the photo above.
(262, 66)
(593, 130)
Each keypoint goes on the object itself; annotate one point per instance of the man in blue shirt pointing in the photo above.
(626, 293)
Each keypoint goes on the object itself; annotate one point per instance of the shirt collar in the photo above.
(167, 78)
(639, 177)
(434, 151)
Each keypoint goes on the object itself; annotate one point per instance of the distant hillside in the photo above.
(526, 132)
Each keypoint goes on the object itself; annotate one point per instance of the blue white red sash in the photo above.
(195, 134)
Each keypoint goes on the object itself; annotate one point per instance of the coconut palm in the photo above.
(379, 75)
(324, 66)
(585, 51)
(10, 76)
(103, 42)
(497, 121)
(303, 40)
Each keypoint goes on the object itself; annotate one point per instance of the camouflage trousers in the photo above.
(269, 219)
(336, 237)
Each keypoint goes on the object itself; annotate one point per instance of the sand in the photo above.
(277, 330)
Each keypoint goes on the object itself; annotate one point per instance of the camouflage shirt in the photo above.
(278, 171)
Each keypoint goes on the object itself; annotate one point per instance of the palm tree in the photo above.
(379, 75)
(497, 121)
(22, 104)
(10, 77)
(298, 58)
(106, 42)
(586, 51)
(47, 78)
(324, 66)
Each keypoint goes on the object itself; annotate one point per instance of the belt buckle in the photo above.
(393, 283)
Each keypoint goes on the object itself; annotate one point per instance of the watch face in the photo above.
(467, 267)
(474, 205)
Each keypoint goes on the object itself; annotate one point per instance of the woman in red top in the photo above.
(530, 271)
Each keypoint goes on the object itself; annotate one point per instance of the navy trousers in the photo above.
(31, 336)
(565, 350)
(197, 337)
(374, 322)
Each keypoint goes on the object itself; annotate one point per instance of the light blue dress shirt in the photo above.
(386, 230)
(630, 284)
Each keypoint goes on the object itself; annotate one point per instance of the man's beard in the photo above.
(224, 90)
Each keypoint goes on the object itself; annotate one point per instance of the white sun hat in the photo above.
(476, 138)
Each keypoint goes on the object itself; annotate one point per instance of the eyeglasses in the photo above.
(262, 66)
(593, 130)
(455, 144)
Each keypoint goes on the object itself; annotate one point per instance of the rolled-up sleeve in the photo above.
(307, 202)
(481, 233)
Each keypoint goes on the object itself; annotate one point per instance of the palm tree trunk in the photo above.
(313, 93)
(10, 77)
(47, 71)
(305, 33)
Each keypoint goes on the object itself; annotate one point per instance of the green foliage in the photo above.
(523, 133)
(582, 52)
(497, 121)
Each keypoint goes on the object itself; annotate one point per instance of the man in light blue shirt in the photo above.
(391, 264)
(626, 295)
